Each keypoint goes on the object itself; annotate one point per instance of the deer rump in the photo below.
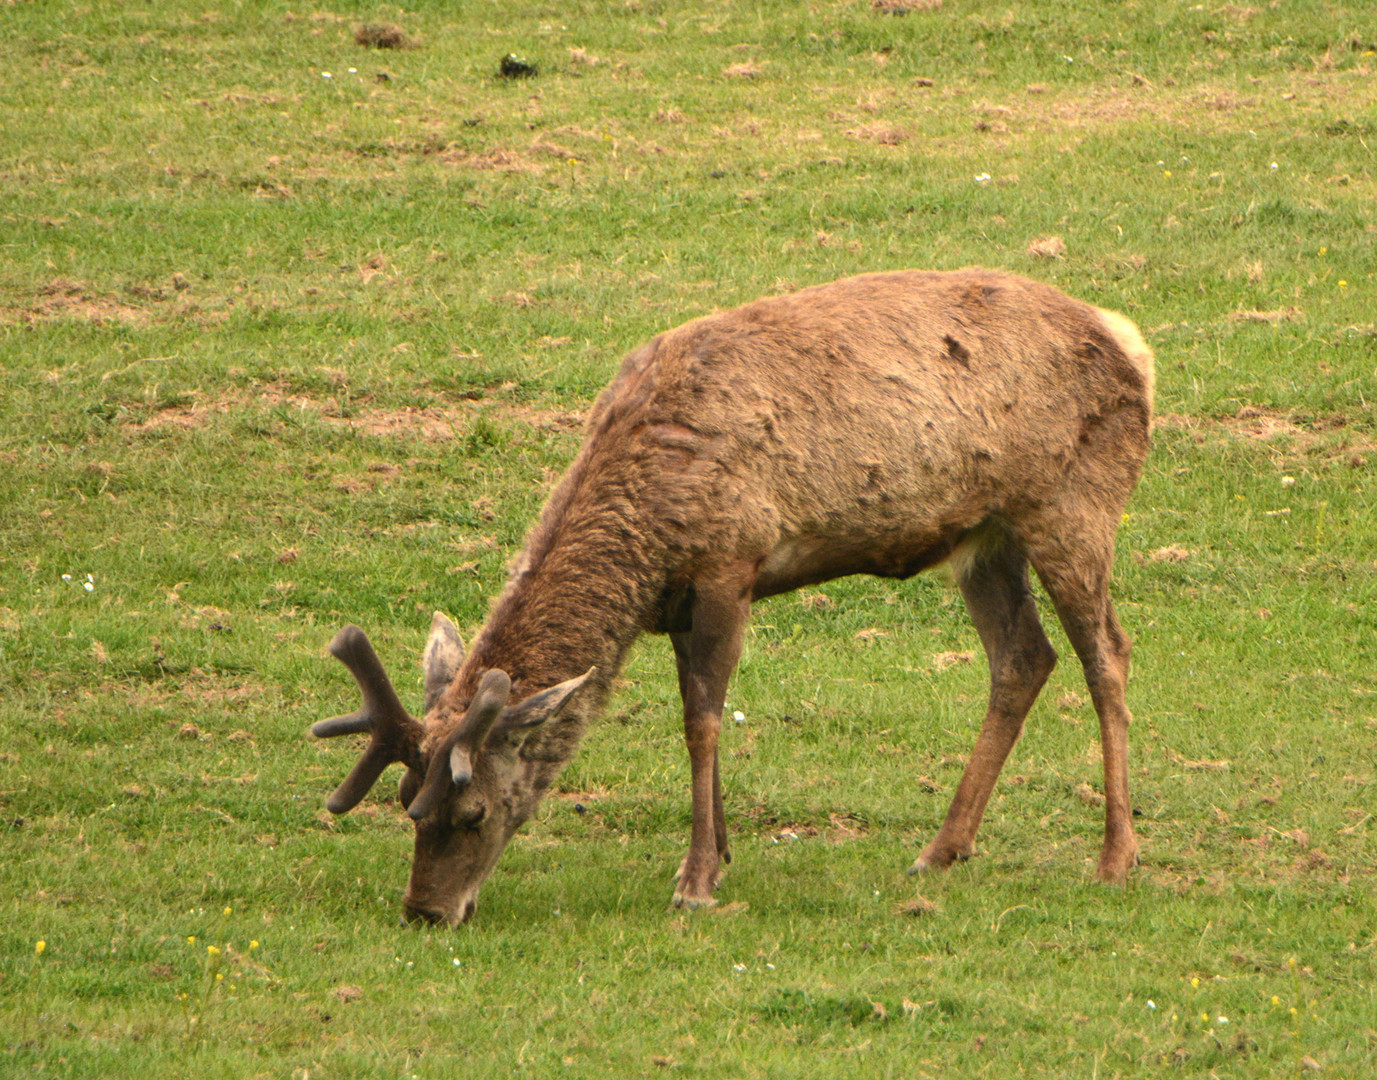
(880, 425)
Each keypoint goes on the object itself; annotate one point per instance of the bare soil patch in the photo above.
(431, 423)
(63, 298)
(1327, 439)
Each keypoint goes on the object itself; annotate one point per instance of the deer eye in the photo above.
(471, 817)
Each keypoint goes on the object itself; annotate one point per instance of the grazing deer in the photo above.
(878, 425)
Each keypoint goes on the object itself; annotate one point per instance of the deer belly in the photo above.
(799, 561)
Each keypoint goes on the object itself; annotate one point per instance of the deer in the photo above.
(883, 424)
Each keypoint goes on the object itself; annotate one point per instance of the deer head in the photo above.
(466, 786)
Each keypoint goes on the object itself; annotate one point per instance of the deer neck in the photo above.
(578, 603)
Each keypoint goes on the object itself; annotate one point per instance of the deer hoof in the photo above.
(693, 888)
(1115, 865)
(937, 859)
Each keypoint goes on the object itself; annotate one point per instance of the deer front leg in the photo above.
(706, 656)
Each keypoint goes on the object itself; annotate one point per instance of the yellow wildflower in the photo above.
(191, 940)
(39, 946)
(229, 910)
(212, 950)
(253, 945)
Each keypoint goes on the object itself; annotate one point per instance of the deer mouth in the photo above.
(431, 916)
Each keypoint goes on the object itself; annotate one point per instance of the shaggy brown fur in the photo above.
(881, 425)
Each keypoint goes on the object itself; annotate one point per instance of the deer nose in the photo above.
(422, 914)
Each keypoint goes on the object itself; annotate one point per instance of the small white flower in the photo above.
(326, 75)
(983, 178)
(770, 966)
(1221, 1019)
(738, 968)
(457, 962)
(1151, 1004)
(739, 716)
(66, 577)
(1274, 165)
(353, 71)
(1288, 481)
(1068, 59)
(88, 586)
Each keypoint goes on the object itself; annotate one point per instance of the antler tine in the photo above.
(396, 734)
(452, 761)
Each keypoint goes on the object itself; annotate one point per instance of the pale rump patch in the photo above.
(1131, 341)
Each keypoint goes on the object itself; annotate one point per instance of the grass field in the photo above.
(296, 332)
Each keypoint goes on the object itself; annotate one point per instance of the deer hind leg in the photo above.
(1075, 571)
(706, 656)
(992, 573)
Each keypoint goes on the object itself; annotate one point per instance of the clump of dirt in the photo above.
(383, 36)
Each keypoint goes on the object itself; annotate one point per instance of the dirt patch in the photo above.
(1286, 314)
(1326, 439)
(196, 414)
(747, 69)
(1047, 247)
(64, 299)
(879, 132)
(495, 159)
(429, 424)
(548, 419)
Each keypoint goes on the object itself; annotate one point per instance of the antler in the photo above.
(452, 761)
(396, 734)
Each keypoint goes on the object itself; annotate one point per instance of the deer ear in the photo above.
(441, 660)
(523, 717)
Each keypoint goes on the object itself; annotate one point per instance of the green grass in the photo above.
(281, 352)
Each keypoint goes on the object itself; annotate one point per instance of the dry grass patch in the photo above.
(879, 132)
(1047, 247)
(495, 159)
(747, 69)
(1286, 314)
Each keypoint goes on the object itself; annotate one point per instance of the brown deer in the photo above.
(879, 425)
